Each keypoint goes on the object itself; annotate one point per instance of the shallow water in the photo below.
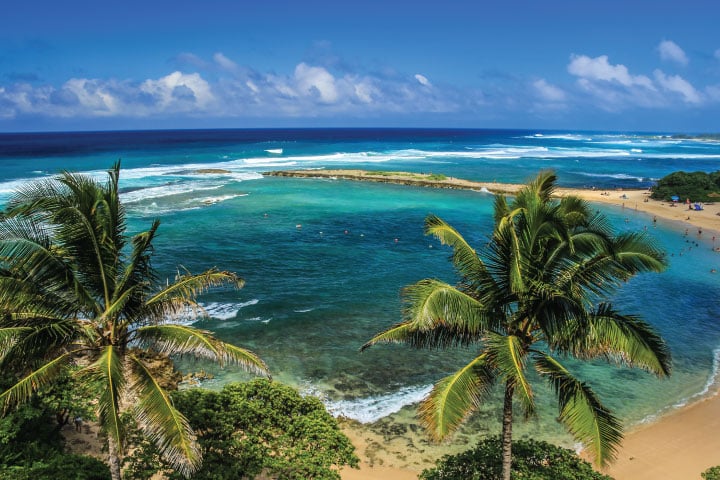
(324, 260)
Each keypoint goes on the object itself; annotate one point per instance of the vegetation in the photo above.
(31, 447)
(712, 473)
(75, 290)
(531, 298)
(258, 427)
(696, 186)
(435, 177)
(532, 460)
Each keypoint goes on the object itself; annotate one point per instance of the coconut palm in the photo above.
(76, 290)
(534, 296)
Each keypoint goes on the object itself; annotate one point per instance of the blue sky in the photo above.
(581, 64)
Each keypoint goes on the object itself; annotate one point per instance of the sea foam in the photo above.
(371, 409)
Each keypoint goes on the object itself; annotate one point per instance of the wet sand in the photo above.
(677, 446)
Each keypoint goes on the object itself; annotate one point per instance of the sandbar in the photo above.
(707, 219)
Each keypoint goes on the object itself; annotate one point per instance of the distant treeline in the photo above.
(697, 186)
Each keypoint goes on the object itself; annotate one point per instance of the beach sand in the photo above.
(677, 446)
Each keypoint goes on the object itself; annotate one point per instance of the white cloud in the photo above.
(677, 84)
(365, 92)
(548, 92)
(316, 81)
(251, 85)
(179, 91)
(224, 62)
(92, 96)
(670, 51)
(599, 69)
(422, 80)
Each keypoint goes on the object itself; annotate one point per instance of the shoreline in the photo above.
(706, 220)
(679, 444)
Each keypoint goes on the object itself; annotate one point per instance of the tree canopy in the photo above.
(696, 186)
(266, 427)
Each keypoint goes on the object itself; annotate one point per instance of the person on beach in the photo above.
(78, 423)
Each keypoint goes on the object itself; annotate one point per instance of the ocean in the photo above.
(324, 260)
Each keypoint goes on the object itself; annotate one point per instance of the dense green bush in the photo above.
(59, 467)
(532, 460)
(31, 447)
(697, 186)
(257, 427)
(712, 473)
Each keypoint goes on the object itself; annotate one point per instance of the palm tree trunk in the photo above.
(507, 431)
(114, 460)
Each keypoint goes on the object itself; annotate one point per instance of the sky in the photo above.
(631, 65)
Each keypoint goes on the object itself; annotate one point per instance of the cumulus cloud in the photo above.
(613, 88)
(677, 84)
(233, 90)
(548, 92)
(422, 80)
(599, 68)
(670, 51)
(316, 81)
(188, 90)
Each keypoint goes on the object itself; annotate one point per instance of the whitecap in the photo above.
(275, 151)
(370, 409)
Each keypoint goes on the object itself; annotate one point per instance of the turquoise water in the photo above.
(324, 260)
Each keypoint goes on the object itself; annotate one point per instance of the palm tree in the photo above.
(533, 296)
(75, 290)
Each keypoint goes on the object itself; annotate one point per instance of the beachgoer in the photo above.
(78, 423)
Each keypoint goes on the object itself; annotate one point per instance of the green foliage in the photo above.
(697, 186)
(74, 284)
(712, 473)
(59, 467)
(31, 447)
(437, 177)
(262, 426)
(531, 460)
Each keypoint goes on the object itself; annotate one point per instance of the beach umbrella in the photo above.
(675, 198)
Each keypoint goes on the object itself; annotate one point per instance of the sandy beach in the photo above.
(677, 446)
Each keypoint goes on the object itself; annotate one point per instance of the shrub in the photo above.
(712, 473)
(697, 186)
(532, 460)
(257, 427)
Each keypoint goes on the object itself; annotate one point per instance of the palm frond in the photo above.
(626, 339)
(637, 252)
(431, 303)
(109, 372)
(24, 389)
(464, 258)
(172, 339)
(581, 411)
(9, 337)
(454, 397)
(162, 423)
(508, 355)
(175, 298)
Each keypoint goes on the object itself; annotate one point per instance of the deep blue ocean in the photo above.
(324, 260)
